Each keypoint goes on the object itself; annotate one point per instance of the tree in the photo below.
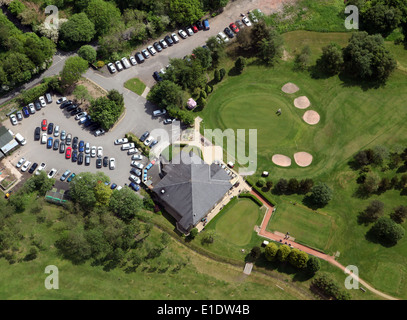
(298, 258)
(193, 233)
(16, 7)
(399, 214)
(73, 69)
(88, 53)
(266, 42)
(213, 5)
(331, 60)
(204, 56)
(102, 194)
(240, 64)
(261, 182)
(255, 253)
(216, 75)
(81, 93)
(244, 39)
(293, 185)
(103, 14)
(366, 58)
(387, 231)
(321, 194)
(302, 59)
(371, 184)
(313, 265)
(166, 93)
(271, 251)
(40, 183)
(305, 185)
(281, 186)
(185, 12)
(78, 29)
(269, 184)
(380, 18)
(125, 203)
(373, 212)
(19, 201)
(105, 111)
(283, 252)
(74, 246)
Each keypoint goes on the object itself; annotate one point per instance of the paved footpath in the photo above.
(331, 259)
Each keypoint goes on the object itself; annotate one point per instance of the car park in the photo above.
(183, 34)
(37, 134)
(52, 173)
(49, 143)
(222, 37)
(189, 31)
(68, 153)
(112, 163)
(157, 46)
(44, 138)
(118, 65)
(25, 166)
(228, 32)
(40, 168)
(56, 144)
(44, 125)
(121, 141)
(111, 67)
(19, 115)
(37, 105)
(93, 151)
(174, 38)
(50, 128)
(81, 146)
(144, 136)
(56, 131)
(42, 101)
(13, 119)
(151, 50)
(20, 162)
(145, 53)
(62, 147)
(25, 111)
(33, 167)
(125, 62)
(139, 57)
(133, 60)
(234, 28)
(206, 24)
(65, 175)
(157, 76)
(163, 43)
(60, 100)
(31, 108)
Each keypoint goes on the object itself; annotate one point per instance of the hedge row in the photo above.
(145, 150)
(251, 196)
(265, 195)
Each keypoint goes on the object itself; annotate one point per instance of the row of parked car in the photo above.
(158, 46)
(233, 28)
(30, 109)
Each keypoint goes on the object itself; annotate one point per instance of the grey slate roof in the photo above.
(192, 189)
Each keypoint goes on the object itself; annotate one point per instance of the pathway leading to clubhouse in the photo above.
(331, 259)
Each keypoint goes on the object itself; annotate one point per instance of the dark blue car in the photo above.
(134, 186)
(74, 157)
(26, 112)
(81, 146)
(49, 143)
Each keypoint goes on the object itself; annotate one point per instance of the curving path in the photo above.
(331, 259)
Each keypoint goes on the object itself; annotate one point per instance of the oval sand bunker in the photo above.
(311, 117)
(303, 159)
(281, 160)
(302, 102)
(290, 88)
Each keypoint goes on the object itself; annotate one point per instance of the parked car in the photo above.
(31, 108)
(52, 173)
(60, 100)
(44, 125)
(25, 111)
(134, 186)
(87, 147)
(33, 167)
(222, 37)
(239, 24)
(174, 38)
(118, 65)
(135, 179)
(63, 135)
(62, 147)
(183, 34)
(25, 166)
(157, 46)
(98, 163)
(206, 24)
(228, 32)
(159, 112)
(65, 175)
(71, 177)
(164, 44)
(199, 25)
(50, 128)
(189, 31)
(99, 132)
(56, 131)
(74, 157)
(68, 153)
(148, 140)
(157, 76)
(20, 162)
(112, 163)
(100, 152)
(80, 115)
(125, 62)
(56, 144)
(44, 138)
(121, 141)
(133, 60)
(153, 143)
(80, 158)
(19, 115)
(37, 134)
(65, 104)
(139, 57)
(151, 50)
(37, 105)
(168, 121)
(137, 157)
(105, 161)
(144, 136)
(137, 165)
(68, 139)
(194, 28)
(253, 17)
(42, 101)
(93, 152)
(13, 119)
(111, 67)
(145, 53)
(234, 28)
(81, 146)
(40, 168)
(48, 97)
(49, 143)
(135, 171)
(132, 151)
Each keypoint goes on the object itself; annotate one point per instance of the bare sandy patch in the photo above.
(303, 159)
(302, 102)
(311, 117)
(290, 88)
(281, 160)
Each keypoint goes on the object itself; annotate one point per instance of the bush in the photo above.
(330, 288)
(387, 231)
(100, 64)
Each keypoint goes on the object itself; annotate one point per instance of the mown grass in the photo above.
(135, 85)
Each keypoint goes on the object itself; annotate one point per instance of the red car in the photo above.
(44, 125)
(68, 153)
(195, 28)
(234, 28)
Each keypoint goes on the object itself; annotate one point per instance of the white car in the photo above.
(42, 101)
(151, 50)
(125, 62)
(41, 167)
(174, 37)
(52, 173)
(138, 165)
(246, 21)
(60, 100)
(133, 60)
(223, 37)
(44, 138)
(56, 131)
(137, 157)
(163, 44)
(135, 179)
(111, 67)
(190, 31)
(87, 148)
(183, 34)
(13, 119)
(112, 163)
(20, 162)
(80, 115)
(148, 140)
(253, 17)
(145, 53)
(93, 151)
(121, 141)
(25, 166)
(31, 108)
(100, 152)
(119, 65)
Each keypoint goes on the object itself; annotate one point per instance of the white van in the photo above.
(20, 139)
(128, 146)
(126, 63)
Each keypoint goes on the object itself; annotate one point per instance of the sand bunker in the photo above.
(281, 160)
(290, 88)
(303, 159)
(302, 102)
(311, 117)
